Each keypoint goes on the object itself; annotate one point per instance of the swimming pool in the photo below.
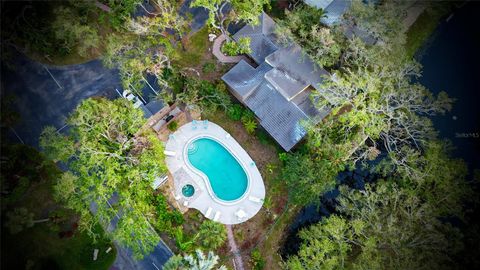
(227, 177)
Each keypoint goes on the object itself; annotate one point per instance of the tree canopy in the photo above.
(380, 227)
(145, 47)
(321, 43)
(195, 93)
(408, 218)
(51, 30)
(112, 170)
(212, 235)
(375, 105)
(221, 12)
(193, 262)
(56, 146)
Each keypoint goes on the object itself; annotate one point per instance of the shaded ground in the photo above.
(199, 15)
(56, 242)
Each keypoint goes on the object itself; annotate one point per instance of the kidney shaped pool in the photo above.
(225, 174)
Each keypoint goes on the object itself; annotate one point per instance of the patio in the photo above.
(234, 212)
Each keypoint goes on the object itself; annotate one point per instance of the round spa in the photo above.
(188, 190)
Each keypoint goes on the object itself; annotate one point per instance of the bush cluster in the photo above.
(237, 112)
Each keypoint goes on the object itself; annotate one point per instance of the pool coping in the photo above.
(176, 150)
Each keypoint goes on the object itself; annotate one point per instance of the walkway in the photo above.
(216, 50)
(413, 12)
(236, 253)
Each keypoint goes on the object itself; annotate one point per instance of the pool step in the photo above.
(192, 148)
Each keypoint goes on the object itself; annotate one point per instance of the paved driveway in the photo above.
(46, 95)
(153, 261)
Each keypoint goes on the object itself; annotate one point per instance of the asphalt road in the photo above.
(46, 95)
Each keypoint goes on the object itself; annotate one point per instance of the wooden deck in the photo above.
(182, 118)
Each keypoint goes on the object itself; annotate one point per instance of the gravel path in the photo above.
(236, 253)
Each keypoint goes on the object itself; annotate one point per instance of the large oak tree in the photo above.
(112, 169)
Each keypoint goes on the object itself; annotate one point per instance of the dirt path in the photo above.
(236, 253)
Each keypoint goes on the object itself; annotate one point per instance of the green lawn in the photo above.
(195, 48)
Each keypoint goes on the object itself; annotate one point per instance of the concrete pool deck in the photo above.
(204, 200)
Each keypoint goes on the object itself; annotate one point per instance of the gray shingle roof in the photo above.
(243, 79)
(293, 61)
(280, 118)
(261, 36)
(304, 103)
(278, 90)
(335, 11)
(288, 86)
(266, 26)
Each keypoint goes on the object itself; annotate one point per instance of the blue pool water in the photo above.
(227, 177)
(188, 190)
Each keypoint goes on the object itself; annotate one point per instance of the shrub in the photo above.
(250, 126)
(212, 234)
(249, 121)
(263, 137)
(235, 112)
(232, 48)
(247, 116)
(244, 45)
(172, 126)
(167, 219)
(258, 263)
(209, 67)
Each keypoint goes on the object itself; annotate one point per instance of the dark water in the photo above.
(450, 60)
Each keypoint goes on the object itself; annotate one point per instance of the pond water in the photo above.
(450, 60)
